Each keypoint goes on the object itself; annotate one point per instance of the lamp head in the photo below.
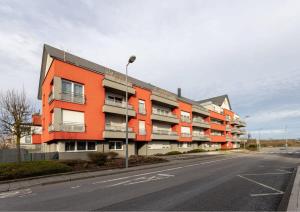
(132, 59)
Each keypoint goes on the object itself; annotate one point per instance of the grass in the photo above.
(9, 171)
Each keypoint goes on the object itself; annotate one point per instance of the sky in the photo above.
(246, 49)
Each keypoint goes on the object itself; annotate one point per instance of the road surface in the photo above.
(225, 182)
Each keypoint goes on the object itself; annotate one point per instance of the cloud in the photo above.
(246, 49)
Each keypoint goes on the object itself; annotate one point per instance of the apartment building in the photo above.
(84, 108)
(30, 141)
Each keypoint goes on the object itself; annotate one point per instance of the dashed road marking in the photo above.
(74, 187)
(20, 193)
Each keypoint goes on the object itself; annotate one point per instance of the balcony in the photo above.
(242, 123)
(67, 97)
(197, 136)
(185, 119)
(228, 138)
(117, 132)
(67, 127)
(242, 131)
(117, 107)
(236, 139)
(235, 130)
(200, 110)
(228, 128)
(185, 135)
(117, 84)
(164, 117)
(164, 135)
(228, 118)
(164, 98)
(198, 122)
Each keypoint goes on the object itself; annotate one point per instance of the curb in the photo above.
(40, 181)
(294, 201)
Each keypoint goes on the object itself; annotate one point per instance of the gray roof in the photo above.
(86, 64)
(218, 100)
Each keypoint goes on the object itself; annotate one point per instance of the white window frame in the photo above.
(115, 149)
(73, 85)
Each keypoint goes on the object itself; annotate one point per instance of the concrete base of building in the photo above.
(134, 148)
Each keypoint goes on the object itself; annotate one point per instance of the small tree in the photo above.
(15, 116)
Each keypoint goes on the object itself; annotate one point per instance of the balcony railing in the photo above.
(67, 127)
(185, 119)
(142, 132)
(116, 103)
(198, 134)
(110, 127)
(164, 132)
(164, 114)
(73, 97)
(185, 135)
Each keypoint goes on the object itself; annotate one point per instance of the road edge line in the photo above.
(293, 204)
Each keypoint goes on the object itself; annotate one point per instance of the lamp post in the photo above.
(131, 60)
(246, 133)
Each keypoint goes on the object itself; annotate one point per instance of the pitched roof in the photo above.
(218, 100)
(86, 64)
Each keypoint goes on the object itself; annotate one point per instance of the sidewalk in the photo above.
(294, 201)
(57, 178)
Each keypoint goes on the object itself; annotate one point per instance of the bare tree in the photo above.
(15, 116)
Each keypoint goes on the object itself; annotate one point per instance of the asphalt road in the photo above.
(230, 182)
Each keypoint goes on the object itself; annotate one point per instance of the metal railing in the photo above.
(198, 134)
(67, 127)
(142, 132)
(164, 132)
(185, 119)
(72, 97)
(116, 103)
(142, 110)
(186, 135)
(110, 127)
(164, 114)
(72, 127)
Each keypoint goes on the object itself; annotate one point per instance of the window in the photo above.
(91, 145)
(73, 146)
(116, 145)
(72, 121)
(142, 129)
(81, 145)
(159, 146)
(182, 145)
(189, 144)
(28, 139)
(185, 116)
(70, 146)
(142, 107)
(185, 131)
(72, 91)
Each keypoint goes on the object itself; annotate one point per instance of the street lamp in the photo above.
(131, 60)
(246, 133)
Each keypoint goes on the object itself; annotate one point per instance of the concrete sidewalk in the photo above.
(294, 201)
(64, 177)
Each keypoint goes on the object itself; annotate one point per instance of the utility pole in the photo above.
(286, 142)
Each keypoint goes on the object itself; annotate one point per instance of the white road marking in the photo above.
(277, 192)
(270, 173)
(165, 170)
(74, 187)
(285, 171)
(20, 193)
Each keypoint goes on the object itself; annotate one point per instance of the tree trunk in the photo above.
(19, 149)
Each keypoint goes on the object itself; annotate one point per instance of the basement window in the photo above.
(116, 145)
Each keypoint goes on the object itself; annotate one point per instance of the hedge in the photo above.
(9, 171)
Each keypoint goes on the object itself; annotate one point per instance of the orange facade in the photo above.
(94, 117)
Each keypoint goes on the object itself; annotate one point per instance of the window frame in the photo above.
(115, 145)
(76, 146)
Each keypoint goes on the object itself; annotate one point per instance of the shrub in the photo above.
(159, 154)
(139, 159)
(112, 155)
(173, 153)
(98, 158)
(10, 171)
(196, 150)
